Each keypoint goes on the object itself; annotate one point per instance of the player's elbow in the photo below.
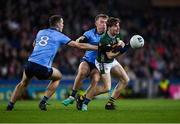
(77, 45)
(86, 46)
(83, 46)
(74, 44)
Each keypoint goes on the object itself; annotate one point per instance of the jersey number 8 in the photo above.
(43, 41)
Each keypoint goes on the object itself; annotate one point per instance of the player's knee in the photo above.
(126, 80)
(60, 76)
(56, 74)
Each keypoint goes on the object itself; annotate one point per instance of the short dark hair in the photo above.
(101, 16)
(112, 21)
(54, 19)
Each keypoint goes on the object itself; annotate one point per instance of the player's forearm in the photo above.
(115, 54)
(87, 46)
(118, 51)
(122, 49)
(84, 46)
(112, 55)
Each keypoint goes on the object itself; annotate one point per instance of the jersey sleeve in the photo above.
(119, 36)
(63, 39)
(87, 35)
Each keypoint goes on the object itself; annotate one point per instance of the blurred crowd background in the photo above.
(156, 21)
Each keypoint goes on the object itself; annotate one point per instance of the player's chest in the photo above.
(112, 41)
(95, 39)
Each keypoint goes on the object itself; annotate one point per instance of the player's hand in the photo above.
(118, 45)
(81, 39)
(121, 43)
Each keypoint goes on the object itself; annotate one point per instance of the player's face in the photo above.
(101, 24)
(115, 29)
(61, 25)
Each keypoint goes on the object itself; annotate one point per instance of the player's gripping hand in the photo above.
(117, 46)
(82, 39)
(121, 43)
(121, 47)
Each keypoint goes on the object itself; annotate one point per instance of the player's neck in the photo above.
(111, 35)
(99, 32)
(55, 28)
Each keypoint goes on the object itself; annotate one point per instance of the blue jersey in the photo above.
(93, 38)
(47, 43)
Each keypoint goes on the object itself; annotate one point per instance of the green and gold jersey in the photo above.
(106, 45)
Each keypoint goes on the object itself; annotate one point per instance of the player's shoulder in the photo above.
(41, 31)
(52, 33)
(50, 30)
(90, 31)
(119, 36)
(56, 32)
(104, 35)
(104, 38)
(45, 31)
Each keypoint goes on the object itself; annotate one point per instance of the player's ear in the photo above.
(34, 42)
(95, 23)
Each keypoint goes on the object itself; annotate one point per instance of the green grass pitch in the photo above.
(147, 111)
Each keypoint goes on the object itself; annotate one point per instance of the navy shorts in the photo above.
(40, 72)
(91, 65)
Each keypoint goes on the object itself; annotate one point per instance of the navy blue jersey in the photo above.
(93, 38)
(47, 43)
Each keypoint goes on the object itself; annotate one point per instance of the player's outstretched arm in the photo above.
(84, 46)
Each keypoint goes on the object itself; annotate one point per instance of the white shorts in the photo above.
(106, 67)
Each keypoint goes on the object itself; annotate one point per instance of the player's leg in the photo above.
(83, 71)
(18, 91)
(94, 77)
(106, 78)
(51, 88)
(121, 74)
(55, 80)
(106, 87)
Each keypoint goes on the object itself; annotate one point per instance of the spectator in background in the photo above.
(21, 20)
(164, 88)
